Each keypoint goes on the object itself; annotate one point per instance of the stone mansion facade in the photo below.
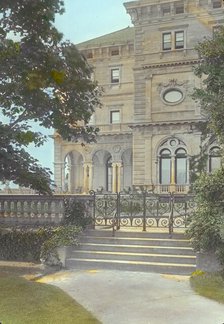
(148, 122)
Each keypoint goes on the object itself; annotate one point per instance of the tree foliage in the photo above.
(211, 94)
(207, 222)
(43, 79)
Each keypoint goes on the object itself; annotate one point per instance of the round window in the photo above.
(173, 96)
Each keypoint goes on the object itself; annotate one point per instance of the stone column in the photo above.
(90, 176)
(59, 175)
(172, 180)
(86, 177)
(119, 165)
(114, 177)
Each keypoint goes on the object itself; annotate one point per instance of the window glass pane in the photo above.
(181, 170)
(165, 152)
(214, 159)
(165, 171)
(114, 51)
(179, 39)
(166, 11)
(181, 152)
(215, 163)
(172, 96)
(115, 76)
(167, 41)
(217, 3)
(115, 117)
(179, 9)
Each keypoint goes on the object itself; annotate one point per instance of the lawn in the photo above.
(209, 285)
(23, 301)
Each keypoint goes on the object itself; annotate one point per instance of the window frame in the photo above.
(179, 7)
(112, 122)
(173, 40)
(211, 155)
(164, 157)
(173, 163)
(163, 41)
(166, 10)
(113, 78)
(176, 41)
(215, 2)
(114, 51)
(180, 156)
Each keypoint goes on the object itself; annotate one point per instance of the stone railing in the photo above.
(35, 209)
(32, 209)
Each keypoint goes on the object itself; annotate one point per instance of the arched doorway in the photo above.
(73, 172)
(102, 170)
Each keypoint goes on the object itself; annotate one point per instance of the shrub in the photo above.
(62, 236)
(75, 213)
(207, 222)
(35, 244)
(23, 244)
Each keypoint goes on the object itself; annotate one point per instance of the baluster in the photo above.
(62, 210)
(38, 204)
(6, 209)
(1, 209)
(12, 209)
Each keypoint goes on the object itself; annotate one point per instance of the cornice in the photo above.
(169, 64)
(177, 122)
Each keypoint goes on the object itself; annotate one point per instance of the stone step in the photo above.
(131, 256)
(125, 233)
(158, 267)
(135, 251)
(136, 248)
(135, 241)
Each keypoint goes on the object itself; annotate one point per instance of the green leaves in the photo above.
(42, 79)
(207, 222)
(211, 71)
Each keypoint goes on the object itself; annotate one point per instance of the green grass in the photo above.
(209, 285)
(23, 301)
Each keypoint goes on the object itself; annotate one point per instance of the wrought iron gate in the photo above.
(142, 210)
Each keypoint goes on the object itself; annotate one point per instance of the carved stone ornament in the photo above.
(172, 83)
(116, 148)
(173, 92)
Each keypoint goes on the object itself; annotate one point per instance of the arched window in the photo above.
(214, 158)
(180, 166)
(165, 166)
(173, 162)
(109, 174)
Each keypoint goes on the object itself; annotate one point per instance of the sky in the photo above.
(84, 20)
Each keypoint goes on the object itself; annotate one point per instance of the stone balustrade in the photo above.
(34, 209)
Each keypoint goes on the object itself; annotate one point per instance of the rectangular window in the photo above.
(165, 171)
(89, 55)
(167, 44)
(179, 39)
(216, 4)
(179, 9)
(115, 75)
(181, 170)
(114, 51)
(166, 11)
(115, 117)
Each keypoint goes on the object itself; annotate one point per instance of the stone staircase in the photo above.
(134, 251)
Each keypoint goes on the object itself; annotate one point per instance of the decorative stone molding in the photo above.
(116, 148)
(173, 92)
(172, 83)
